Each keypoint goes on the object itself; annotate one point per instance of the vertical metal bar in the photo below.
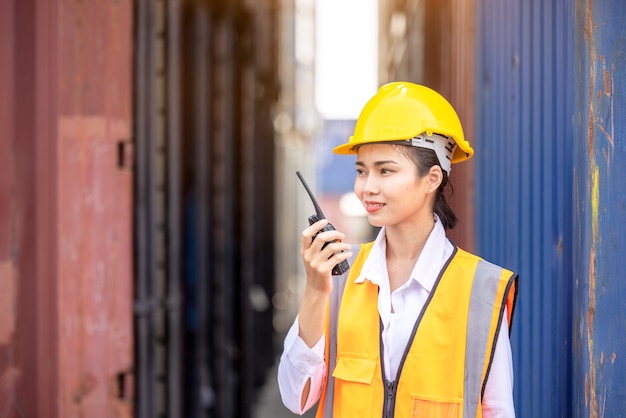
(218, 225)
(174, 220)
(265, 59)
(248, 204)
(565, 286)
(31, 381)
(143, 300)
(151, 211)
(533, 154)
(231, 208)
(546, 160)
(203, 399)
(583, 22)
(157, 150)
(526, 401)
(223, 211)
(47, 111)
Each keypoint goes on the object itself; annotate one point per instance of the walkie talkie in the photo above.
(343, 266)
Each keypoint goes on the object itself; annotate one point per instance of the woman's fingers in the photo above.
(327, 242)
(309, 233)
(321, 251)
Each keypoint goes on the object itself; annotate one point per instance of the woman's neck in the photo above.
(406, 242)
(404, 246)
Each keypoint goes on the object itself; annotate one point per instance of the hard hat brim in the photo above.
(350, 146)
(462, 152)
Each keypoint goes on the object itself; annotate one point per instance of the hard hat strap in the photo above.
(443, 147)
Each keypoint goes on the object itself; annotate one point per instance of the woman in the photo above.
(417, 327)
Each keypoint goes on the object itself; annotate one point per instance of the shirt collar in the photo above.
(426, 269)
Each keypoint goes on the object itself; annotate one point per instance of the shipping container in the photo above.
(66, 263)
(523, 186)
(549, 199)
(539, 86)
(599, 209)
(136, 206)
(206, 87)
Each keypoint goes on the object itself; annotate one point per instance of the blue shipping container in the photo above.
(550, 199)
(599, 120)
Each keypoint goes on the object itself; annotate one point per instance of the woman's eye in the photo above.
(385, 171)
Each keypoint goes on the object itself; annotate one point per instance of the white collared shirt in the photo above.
(409, 299)
(298, 362)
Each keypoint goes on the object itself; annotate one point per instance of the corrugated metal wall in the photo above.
(599, 202)
(230, 86)
(66, 248)
(523, 185)
(550, 199)
(72, 141)
(29, 320)
(206, 78)
(158, 230)
(95, 263)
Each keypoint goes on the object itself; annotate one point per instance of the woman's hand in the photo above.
(318, 262)
(318, 265)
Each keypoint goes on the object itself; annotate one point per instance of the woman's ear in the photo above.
(434, 178)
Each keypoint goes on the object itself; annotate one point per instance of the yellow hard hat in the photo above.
(403, 111)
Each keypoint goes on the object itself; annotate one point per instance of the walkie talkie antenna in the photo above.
(343, 265)
(318, 210)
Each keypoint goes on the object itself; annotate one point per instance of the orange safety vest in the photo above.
(444, 371)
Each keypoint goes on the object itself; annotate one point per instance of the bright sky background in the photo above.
(346, 70)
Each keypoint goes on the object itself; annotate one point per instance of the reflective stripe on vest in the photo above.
(484, 288)
(490, 283)
(325, 407)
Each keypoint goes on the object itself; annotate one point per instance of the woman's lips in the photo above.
(372, 207)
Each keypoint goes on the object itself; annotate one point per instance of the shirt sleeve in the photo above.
(299, 363)
(498, 396)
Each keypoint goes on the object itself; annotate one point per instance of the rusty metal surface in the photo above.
(66, 266)
(95, 267)
(600, 202)
(65, 222)
(450, 45)
(552, 100)
(28, 319)
(9, 370)
(7, 177)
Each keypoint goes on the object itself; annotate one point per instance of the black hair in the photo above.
(424, 159)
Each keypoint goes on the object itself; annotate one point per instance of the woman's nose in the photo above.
(370, 185)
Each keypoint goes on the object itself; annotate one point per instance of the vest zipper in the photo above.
(389, 403)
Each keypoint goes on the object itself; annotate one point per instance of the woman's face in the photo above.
(389, 187)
